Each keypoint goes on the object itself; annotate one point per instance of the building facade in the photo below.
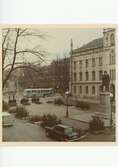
(88, 63)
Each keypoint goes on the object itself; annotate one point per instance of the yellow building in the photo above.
(88, 63)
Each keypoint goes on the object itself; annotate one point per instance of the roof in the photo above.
(5, 114)
(93, 44)
(38, 89)
(96, 43)
(63, 126)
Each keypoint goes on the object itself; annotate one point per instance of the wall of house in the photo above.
(99, 60)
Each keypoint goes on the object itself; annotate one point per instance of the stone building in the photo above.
(88, 63)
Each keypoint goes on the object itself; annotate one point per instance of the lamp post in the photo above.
(111, 99)
(67, 96)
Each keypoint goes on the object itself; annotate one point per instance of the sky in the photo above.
(58, 40)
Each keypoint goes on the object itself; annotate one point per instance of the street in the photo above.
(50, 108)
(22, 130)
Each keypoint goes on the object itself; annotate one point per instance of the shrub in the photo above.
(35, 118)
(83, 105)
(49, 101)
(59, 101)
(12, 110)
(21, 112)
(5, 106)
(49, 120)
(96, 124)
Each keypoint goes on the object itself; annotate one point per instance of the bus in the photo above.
(40, 92)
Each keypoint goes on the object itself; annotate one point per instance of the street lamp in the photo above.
(111, 99)
(67, 96)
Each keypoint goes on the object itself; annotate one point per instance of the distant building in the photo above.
(88, 64)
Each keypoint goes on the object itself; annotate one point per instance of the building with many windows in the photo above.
(88, 63)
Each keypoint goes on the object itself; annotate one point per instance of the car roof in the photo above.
(5, 114)
(63, 126)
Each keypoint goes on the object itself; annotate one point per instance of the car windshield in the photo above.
(69, 130)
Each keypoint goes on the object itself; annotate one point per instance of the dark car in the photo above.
(62, 132)
(25, 101)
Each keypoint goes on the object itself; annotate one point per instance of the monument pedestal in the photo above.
(105, 105)
(104, 110)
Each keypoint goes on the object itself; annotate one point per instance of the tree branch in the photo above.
(36, 53)
(14, 58)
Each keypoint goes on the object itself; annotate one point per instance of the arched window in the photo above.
(112, 57)
(112, 39)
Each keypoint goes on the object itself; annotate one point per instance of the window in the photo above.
(75, 65)
(86, 89)
(93, 89)
(100, 88)
(112, 74)
(75, 76)
(80, 63)
(112, 57)
(93, 75)
(68, 130)
(93, 62)
(112, 39)
(80, 76)
(86, 63)
(100, 61)
(87, 76)
(75, 89)
(80, 89)
(100, 75)
(106, 38)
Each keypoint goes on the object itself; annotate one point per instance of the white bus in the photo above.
(40, 92)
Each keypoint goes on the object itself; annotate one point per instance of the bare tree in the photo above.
(16, 52)
(60, 73)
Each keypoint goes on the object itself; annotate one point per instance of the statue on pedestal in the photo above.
(105, 82)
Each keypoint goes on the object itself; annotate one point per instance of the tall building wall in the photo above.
(89, 64)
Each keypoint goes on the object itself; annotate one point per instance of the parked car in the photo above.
(35, 100)
(62, 132)
(25, 101)
(7, 119)
(12, 102)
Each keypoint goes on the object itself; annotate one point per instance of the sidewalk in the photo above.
(86, 117)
